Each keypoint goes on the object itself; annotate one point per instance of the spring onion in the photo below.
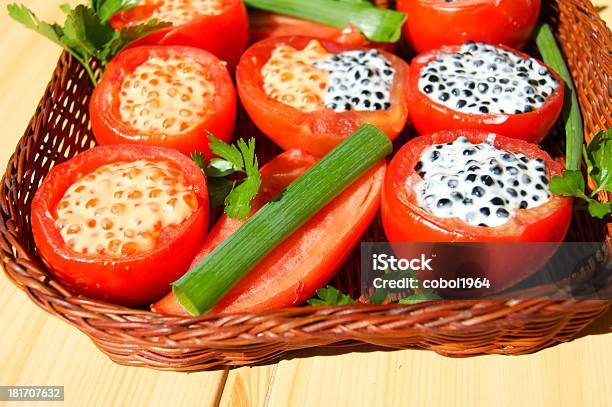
(204, 285)
(571, 109)
(378, 25)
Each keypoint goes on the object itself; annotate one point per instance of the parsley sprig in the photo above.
(421, 296)
(235, 193)
(330, 296)
(87, 32)
(598, 159)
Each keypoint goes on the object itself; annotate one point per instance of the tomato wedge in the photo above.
(405, 221)
(429, 116)
(106, 225)
(434, 23)
(265, 25)
(318, 131)
(223, 32)
(164, 96)
(292, 272)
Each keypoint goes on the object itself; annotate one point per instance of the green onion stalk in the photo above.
(204, 285)
(378, 25)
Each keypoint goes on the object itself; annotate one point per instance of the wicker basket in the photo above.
(59, 130)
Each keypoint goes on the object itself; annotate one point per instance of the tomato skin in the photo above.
(405, 221)
(265, 25)
(434, 23)
(429, 116)
(210, 33)
(109, 128)
(134, 280)
(320, 131)
(292, 272)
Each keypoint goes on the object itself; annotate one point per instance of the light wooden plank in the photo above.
(573, 374)
(36, 348)
(248, 386)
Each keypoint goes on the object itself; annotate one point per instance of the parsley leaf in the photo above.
(330, 296)
(227, 152)
(238, 201)
(219, 168)
(108, 8)
(25, 16)
(199, 159)
(236, 194)
(570, 184)
(86, 32)
(126, 36)
(598, 157)
(598, 209)
(421, 296)
(218, 187)
(66, 7)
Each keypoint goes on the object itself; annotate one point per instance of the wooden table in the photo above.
(37, 349)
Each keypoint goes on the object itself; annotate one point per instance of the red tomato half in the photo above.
(225, 35)
(292, 272)
(405, 221)
(217, 115)
(429, 116)
(434, 23)
(319, 131)
(134, 279)
(264, 25)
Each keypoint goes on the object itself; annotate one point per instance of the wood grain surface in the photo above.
(37, 349)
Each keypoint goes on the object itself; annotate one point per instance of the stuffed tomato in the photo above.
(463, 186)
(434, 23)
(164, 96)
(120, 223)
(313, 93)
(468, 186)
(482, 87)
(220, 27)
(294, 270)
(265, 25)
